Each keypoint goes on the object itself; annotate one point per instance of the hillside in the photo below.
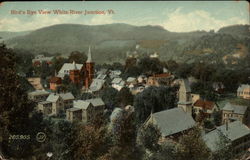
(114, 40)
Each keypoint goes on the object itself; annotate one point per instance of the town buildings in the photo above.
(243, 91)
(232, 112)
(78, 73)
(235, 134)
(39, 59)
(172, 122)
(38, 95)
(85, 110)
(204, 107)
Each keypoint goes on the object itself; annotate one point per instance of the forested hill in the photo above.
(111, 42)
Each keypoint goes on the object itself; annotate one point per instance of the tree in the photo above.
(16, 109)
(108, 95)
(124, 97)
(78, 57)
(91, 142)
(149, 136)
(192, 146)
(154, 99)
(150, 66)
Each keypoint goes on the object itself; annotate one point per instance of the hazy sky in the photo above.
(174, 16)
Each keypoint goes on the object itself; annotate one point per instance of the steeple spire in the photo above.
(74, 63)
(89, 56)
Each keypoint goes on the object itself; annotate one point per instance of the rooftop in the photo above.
(38, 92)
(238, 109)
(169, 121)
(204, 104)
(81, 104)
(96, 102)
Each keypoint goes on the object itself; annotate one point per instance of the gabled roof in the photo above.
(52, 97)
(116, 80)
(38, 92)
(96, 102)
(67, 96)
(242, 87)
(238, 109)
(204, 104)
(101, 76)
(235, 130)
(96, 85)
(68, 67)
(213, 140)
(131, 79)
(173, 121)
(80, 104)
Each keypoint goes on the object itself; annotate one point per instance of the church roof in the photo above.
(169, 121)
(67, 67)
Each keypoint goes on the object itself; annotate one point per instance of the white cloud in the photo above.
(35, 22)
(102, 19)
(178, 21)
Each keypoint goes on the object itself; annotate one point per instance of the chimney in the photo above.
(227, 124)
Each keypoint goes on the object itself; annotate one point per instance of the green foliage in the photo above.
(78, 57)
(154, 99)
(150, 66)
(124, 97)
(192, 146)
(149, 136)
(108, 95)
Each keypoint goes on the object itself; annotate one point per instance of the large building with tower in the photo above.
(78, 73)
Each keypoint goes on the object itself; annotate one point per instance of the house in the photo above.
(185, 97)
(205, 107)
(36, 83)
(172, 122)
(85, 111)
(195, 97)
(59, 102)
(115, 74)
(160, 79)
(80, 112)
(97, 85)
(98, 104)
(235, 134)
(232, 112)
(67, 100)
(56, 103)
(118, 83)
(218, 87)
(142, 79)
(131, 81)
(244, 91)
(39, 59)
(55, 83)
(45, 107)
(38, 95)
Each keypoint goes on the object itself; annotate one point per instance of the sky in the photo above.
(175, 16)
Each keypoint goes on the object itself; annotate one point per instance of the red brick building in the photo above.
(55, 82)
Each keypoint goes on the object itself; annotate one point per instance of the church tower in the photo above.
(185, 98)
(74, 74)
(89, 67)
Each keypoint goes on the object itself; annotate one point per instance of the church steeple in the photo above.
(89, 56)
(89, 70)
